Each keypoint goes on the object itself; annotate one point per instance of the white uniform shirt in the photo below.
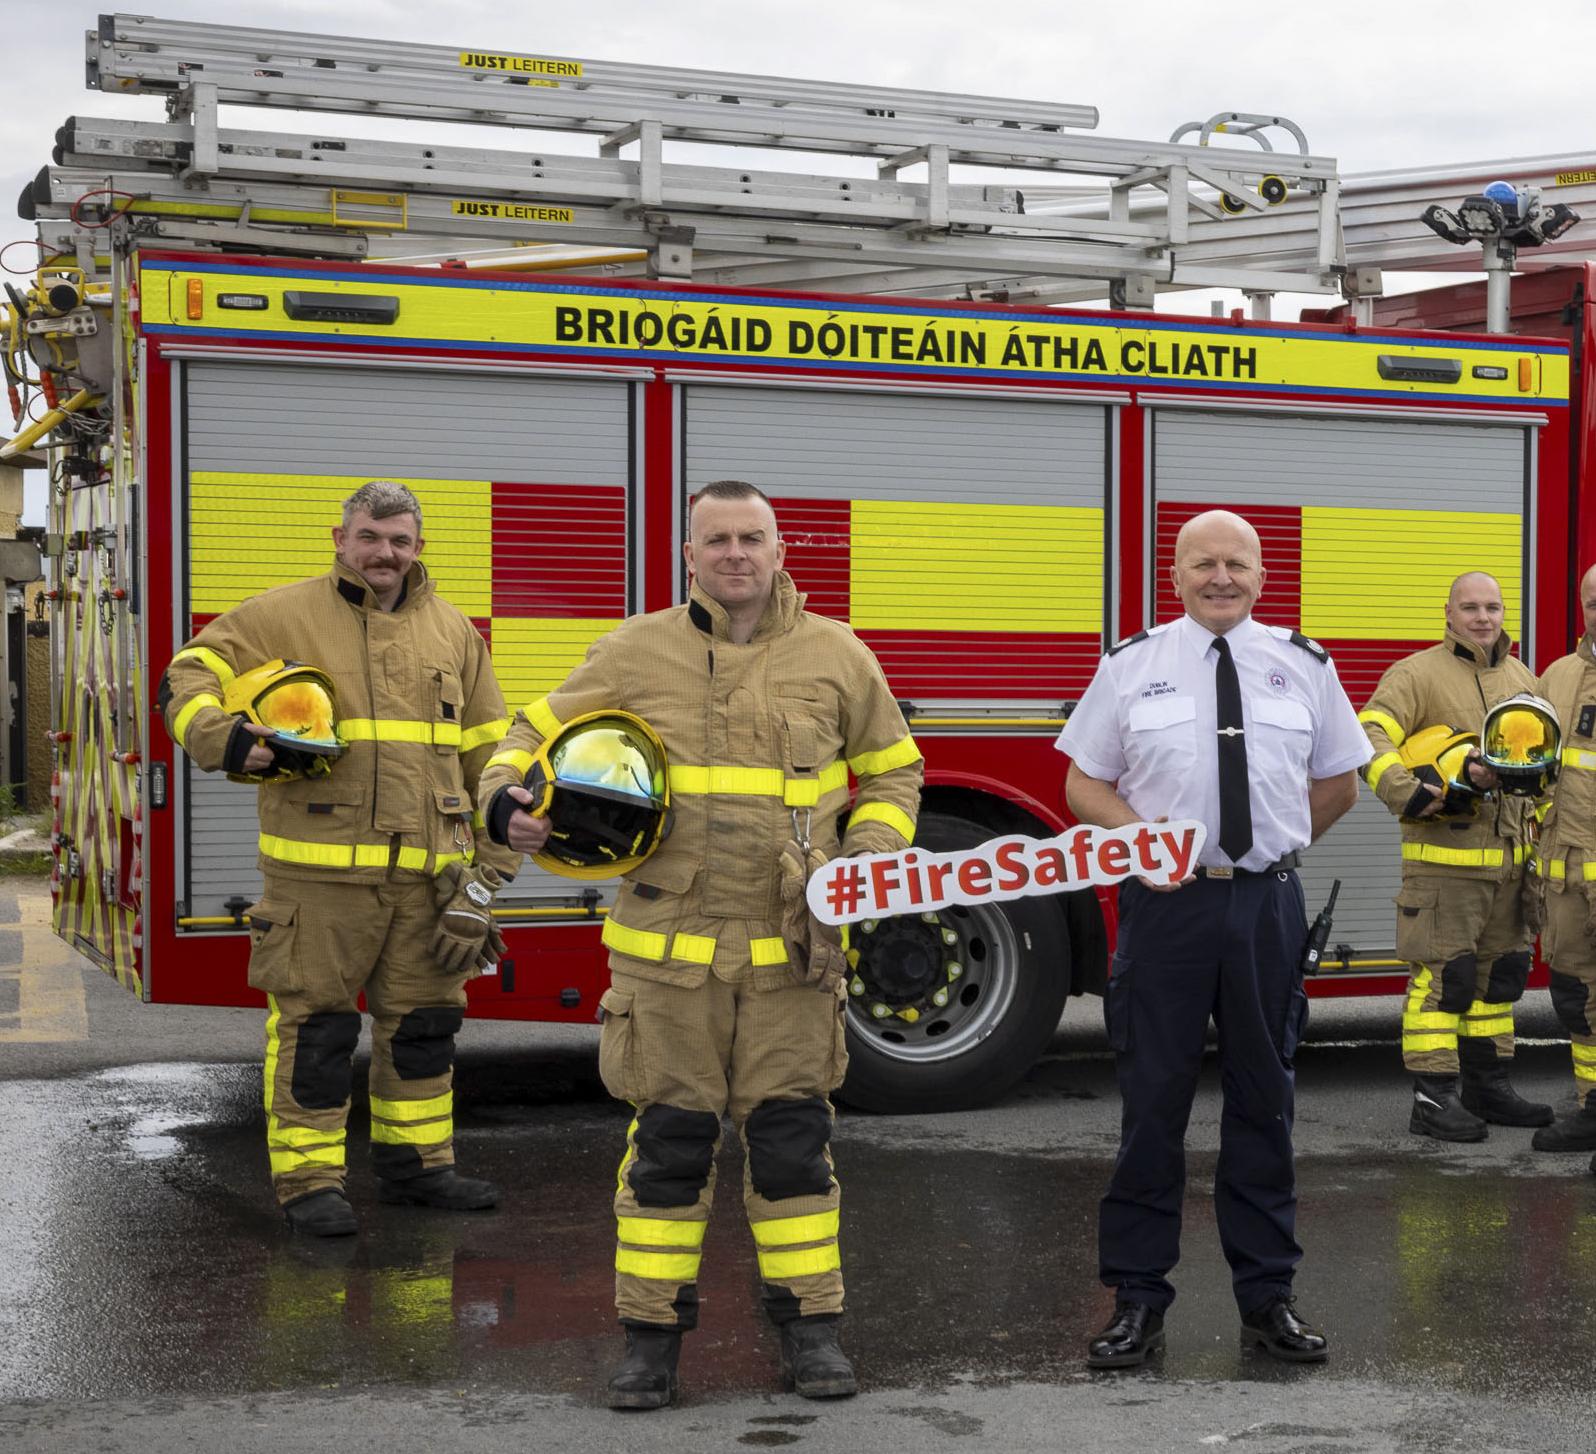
(1149, 722)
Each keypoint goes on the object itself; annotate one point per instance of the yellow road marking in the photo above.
(51, 999)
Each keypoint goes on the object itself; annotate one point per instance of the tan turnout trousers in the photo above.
(314, 949)
(765, 1051)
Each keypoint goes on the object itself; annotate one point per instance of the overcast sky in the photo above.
(1404, 83)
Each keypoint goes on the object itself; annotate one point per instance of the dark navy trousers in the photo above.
(1229, 949)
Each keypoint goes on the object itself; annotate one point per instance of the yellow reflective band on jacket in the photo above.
(220, 669)
(543, 720)
(767, 951)
(761, 782)
(1386, 723)
(789, 1231)
(520, 761)
(426, 1110)
(1461, 857)
(900, 754)
(354, 855)
(693, 948)
(894, 817)
(639, 943)
(1377, 769)
(658, 1266)
(1577, 757)
(1557, 869)
(483, 733)
(190, 708)
(657, 1232)
(805, 1262)
(391, 729)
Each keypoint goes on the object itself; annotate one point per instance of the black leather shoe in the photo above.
(322, 1214)
(1278, 1330)
(1576, 1132)
(443, 1188)
(645, 1378)
(1135, 1333)
(812, 1361)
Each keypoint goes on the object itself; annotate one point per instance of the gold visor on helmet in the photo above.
(603, 783)
(296, 703)
(1521, 741)
(1437, 756)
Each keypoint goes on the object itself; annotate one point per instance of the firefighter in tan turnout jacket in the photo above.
(1565, 865)
(374, 880)
(763, 710)
(1461, 910)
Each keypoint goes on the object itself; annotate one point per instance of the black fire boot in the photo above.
(322, 1214)
(645, 1378)
(1569, 1133)
(443, 1188)
(812, 1361)
(1438, 1112)
(1488, 1094)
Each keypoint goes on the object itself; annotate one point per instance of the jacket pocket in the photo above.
(1164, 730)
(1415, 926)
(273, 958)
(448, 710)
(617, 1045)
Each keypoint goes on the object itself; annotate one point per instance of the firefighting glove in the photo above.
(466, 935)
(814, 950)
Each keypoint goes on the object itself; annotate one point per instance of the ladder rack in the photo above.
(685, 216)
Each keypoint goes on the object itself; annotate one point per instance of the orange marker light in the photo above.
(196, 297)
(1526, 375)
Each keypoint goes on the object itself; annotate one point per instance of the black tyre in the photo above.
(1001, 972)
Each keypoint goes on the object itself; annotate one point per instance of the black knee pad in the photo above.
(1457, 984)
(1509, 974)
(675, 1149)
(423, 1045)
(322, 1050)
(787, 1148)
(1571, 1000)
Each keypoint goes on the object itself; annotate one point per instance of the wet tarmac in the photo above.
(144, 1269)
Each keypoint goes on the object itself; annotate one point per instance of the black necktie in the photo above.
(1235, 807)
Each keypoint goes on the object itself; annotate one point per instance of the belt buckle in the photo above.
(1220, 872)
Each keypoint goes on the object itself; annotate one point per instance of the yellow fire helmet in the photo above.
(1521, 740)
(602, 780)
(296, 702)
(1436, 756)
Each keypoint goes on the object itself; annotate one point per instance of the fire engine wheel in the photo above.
(947, 1010)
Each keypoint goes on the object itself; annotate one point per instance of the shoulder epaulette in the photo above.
(1119, 646)
(1308, 644)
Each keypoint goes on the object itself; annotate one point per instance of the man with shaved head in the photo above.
(1461, 921)
(1565, 865)
(1245, 728)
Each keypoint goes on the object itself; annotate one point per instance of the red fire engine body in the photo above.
(988, 494)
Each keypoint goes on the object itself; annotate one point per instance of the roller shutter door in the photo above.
(1365, 523)
(525, 486)
(961, 537)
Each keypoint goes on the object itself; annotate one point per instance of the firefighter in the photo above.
(1461, 911)
(374, 882)
(1565, 866)
(762, 709)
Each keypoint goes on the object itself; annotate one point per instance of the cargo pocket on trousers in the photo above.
(1532, 902)
(1296, 1025)
(1415, 926)
(617, 1047)
(1117, 1004)
(273, 964)
(839, 1041)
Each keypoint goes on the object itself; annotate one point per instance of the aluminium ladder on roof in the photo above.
(199, 67)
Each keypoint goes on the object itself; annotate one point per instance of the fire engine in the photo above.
(229, 330)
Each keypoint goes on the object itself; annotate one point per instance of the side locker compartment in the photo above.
(525, 485)
(1365, 522)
